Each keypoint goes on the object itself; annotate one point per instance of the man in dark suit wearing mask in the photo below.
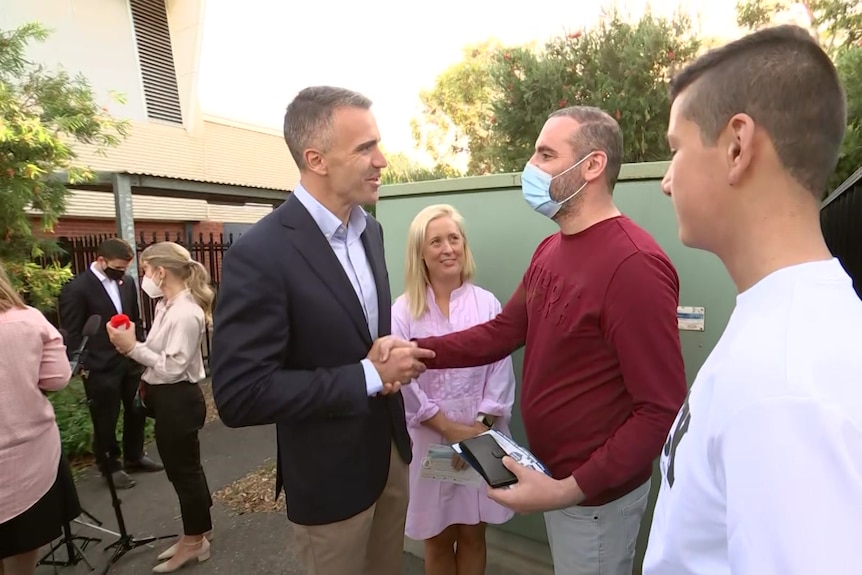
(109, 377)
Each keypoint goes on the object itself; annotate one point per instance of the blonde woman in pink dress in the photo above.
(449, 405)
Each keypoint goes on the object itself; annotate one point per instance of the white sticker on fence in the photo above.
(690, 318)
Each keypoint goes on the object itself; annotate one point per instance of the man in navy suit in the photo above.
(110, 378)
(302, 312)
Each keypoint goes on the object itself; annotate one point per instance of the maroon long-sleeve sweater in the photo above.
(603, 370)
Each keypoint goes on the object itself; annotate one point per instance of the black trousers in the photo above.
(106, 391)
(180, 412)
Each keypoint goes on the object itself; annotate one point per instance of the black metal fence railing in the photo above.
(80, 252)
(841, 221)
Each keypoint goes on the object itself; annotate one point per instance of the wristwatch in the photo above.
(486, 420)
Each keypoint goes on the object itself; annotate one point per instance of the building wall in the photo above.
(84, 227)
(97, 39)
(81, 227)
(91, 37)
(185, 19)
(221, 151)
(89, 213)
(85, 204)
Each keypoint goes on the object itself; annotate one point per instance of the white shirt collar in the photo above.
(328, 223)
(94, 267)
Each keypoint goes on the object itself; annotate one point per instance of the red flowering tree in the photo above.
(618, 66)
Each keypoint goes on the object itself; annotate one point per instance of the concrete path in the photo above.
(255, 543)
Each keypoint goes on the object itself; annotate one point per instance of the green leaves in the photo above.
(44, 114)
(837, 24)
(494, 103)
(402, 169)
(454, 113)
(618, 66)
(76, 426)
(849, 64)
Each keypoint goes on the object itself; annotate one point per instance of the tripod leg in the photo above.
(86, 540)
(50, 553)
(83, 557)
(115, 556)
(125, 542)
(93, 519)
(70, 545)
(73, 553)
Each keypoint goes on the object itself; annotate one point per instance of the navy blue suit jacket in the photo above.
(288, 337)
(84, 296)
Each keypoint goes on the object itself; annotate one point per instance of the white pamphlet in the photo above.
(437, 465)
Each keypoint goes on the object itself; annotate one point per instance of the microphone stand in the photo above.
(125, 541)
(74, 552)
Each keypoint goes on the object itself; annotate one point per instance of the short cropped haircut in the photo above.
(116, 249)
(308, 120)
(597, 131)
(783, 79)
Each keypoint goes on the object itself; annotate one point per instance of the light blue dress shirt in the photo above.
(346, 242)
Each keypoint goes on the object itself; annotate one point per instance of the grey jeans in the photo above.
(597, 540)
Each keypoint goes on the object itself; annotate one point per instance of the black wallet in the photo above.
(485, 455)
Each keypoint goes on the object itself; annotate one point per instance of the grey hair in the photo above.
(308, 119)
(597, 131)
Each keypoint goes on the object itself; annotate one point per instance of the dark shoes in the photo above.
(121, 478)
(144, 464)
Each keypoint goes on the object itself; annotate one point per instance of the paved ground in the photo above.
(243, 544)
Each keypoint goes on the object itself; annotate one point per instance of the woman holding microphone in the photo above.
(174, 366)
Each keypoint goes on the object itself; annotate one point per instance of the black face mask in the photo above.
(114, 274)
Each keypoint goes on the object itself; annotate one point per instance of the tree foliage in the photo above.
(402, 169)
(453, 122)
(849, 63)
(836, 24)
(494, 103)
(43, 114)
(499, 98)
(618, 66)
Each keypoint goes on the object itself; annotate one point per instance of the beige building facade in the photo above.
(149, 51)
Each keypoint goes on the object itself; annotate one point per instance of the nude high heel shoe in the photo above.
(201, 555)
(172, 550)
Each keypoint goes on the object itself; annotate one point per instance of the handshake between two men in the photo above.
(397, 361)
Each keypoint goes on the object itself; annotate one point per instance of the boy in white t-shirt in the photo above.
(762, 470)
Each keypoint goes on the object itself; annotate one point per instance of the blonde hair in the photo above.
(416, 278)
(9, 297)
(177, 260)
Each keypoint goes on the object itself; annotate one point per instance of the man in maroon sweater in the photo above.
(603, 371)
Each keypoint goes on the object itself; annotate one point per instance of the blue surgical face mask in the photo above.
(536, 187)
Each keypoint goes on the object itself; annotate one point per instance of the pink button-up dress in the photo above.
(460, 394)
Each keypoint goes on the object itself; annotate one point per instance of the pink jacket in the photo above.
(32, 359)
